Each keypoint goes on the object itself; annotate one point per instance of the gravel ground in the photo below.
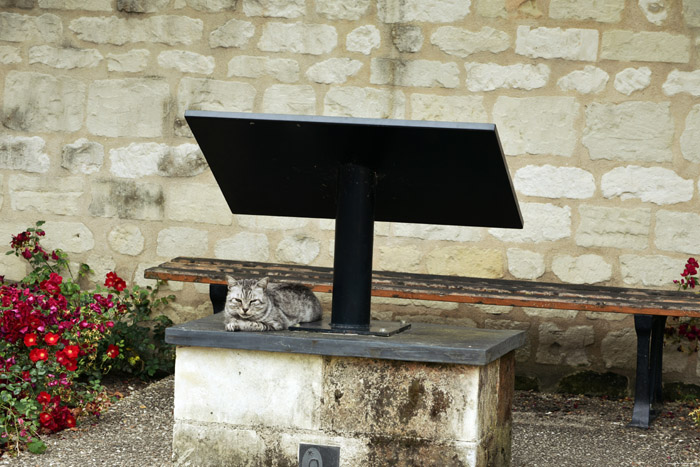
(548, 430)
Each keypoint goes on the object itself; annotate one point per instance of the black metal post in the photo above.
(641, 413)
(354, 240)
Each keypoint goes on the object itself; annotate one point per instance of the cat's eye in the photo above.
(255, 300)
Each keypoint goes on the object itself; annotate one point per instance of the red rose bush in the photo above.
(57, 341)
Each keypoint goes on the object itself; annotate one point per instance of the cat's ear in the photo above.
(231, 281)
(263, 282)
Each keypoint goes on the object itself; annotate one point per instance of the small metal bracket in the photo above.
(314, 455)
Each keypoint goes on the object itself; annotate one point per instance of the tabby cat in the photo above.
(261, 305)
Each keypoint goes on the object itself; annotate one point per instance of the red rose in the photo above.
(30, 340)
(71, 365)
(45, 418)
(43, 398)
(38, 354)
(112, 351)
(72, 351)
(51, 338)
(70, 420)
(115, 282)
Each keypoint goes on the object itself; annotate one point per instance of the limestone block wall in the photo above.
(596, 103)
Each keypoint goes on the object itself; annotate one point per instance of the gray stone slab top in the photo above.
(422, 343)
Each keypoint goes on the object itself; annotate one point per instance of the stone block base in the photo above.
(254, 408)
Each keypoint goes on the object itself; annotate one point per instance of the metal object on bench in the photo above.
(357, 171)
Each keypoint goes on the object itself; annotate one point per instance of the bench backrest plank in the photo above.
(446, 288)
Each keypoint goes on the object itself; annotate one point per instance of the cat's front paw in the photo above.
(231, 326)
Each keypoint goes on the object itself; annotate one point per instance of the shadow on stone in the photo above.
(591, 383)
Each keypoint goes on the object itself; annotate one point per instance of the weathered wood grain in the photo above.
(446, 288)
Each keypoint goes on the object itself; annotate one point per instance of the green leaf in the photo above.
(36, 447)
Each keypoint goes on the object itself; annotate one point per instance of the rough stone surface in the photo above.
(614, 227)
(212, 5)
(451, 233)
(64, 57)
(525, 264)
(649, 184)
(550, 313)
(543, 223)
(15, 27)
(209, 94)
(72, 237)
(691, 135)
(89, 5)
(677, 231)
(60, 196)
(333, 70)
(682, 82)
(433, 11)
(422, 73)
(645, 46)
(282, 69)
(233, 33)
(569, 346)
(83, 157)
(465, 261)
(604, 11)
(23, 153)
(649, 270)
(407, 38)
(490, 76)
(298, 249)
(133, 61)
(13, 268)
(274, 8)
(691, 13)
(301, 38)
(615, 349)
(342, 9)
(463, 42)
(584, 269)
(131, 107)
(655, 11)
(270, 222)
(127, 199)
(9, 55)
(448, 108)
(537, 125)
(548, 181)
(630, 80)
(363, 39)
(569, 44)
(289, 99)
(143, 159)
(186, 62)
(141, 6)
(126, 239)
(36, 102)
(398, 258)
(352, 101)
(170, 30)
(182, 241)
(590, 80)
(244, 246)
(198, 202)
(629, 131)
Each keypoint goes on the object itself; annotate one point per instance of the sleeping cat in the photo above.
(261, 305)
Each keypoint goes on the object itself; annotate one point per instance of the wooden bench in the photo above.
(649, 307)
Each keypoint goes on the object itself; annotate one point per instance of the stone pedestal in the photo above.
(433, 395)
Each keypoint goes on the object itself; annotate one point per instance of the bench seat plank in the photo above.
(446, 288)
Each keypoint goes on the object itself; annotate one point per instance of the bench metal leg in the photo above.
(217, 295)
(647, 395)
